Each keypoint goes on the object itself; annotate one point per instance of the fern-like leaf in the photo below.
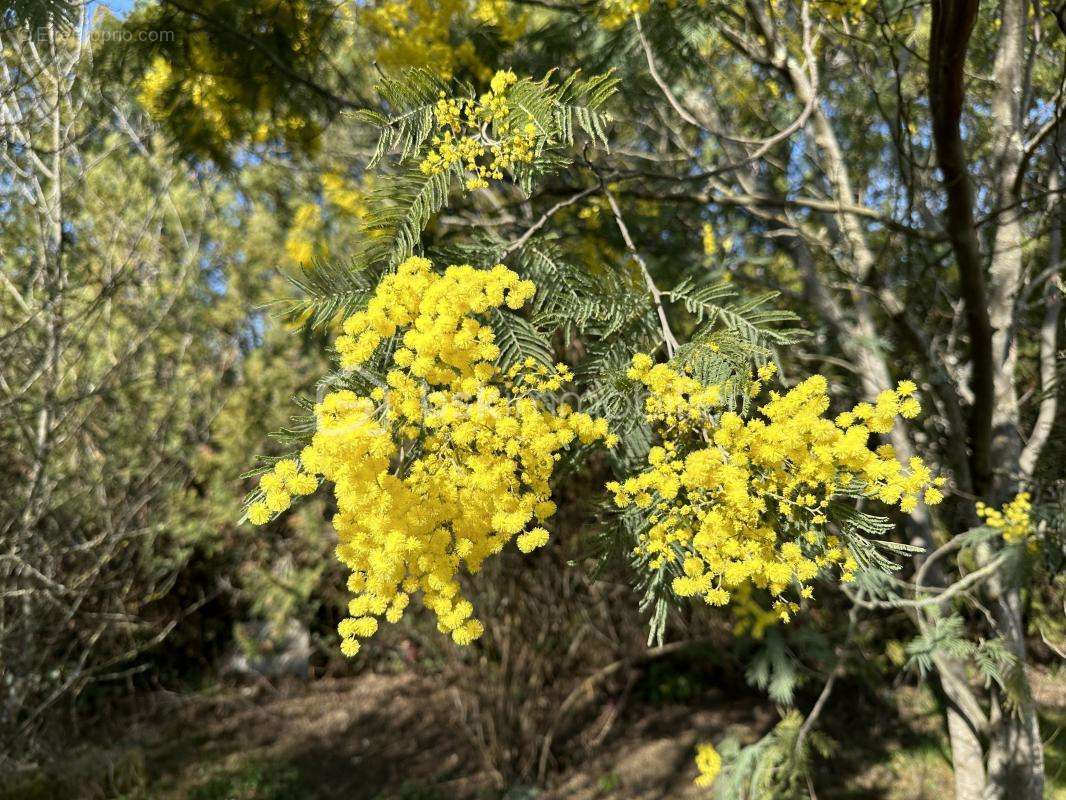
(519, 340)
(753, 319)
(406, 122)
(327, 292)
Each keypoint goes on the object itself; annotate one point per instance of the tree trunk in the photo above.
(1015, 767)
(967, 757)
(1015, 761)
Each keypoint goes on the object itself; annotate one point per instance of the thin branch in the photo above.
(547, 215)
(827, 689)
(664, 322)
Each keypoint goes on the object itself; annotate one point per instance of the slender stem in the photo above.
(827, 690)
(536, 226)
(664, 322)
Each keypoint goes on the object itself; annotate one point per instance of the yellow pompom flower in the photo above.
(477, 137)
(528, 542)
(258, 513)
(709, 764)
(933, 496)
(277, 488)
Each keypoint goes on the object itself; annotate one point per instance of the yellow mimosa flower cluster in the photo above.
(709, 764)
(279, 486)
(418, 33)
(1013, 520)
(750, 617)
(307, 237)
(213, 96)
(674, 400)
(733, 501)
(841, 9)
(464, 138)
(228, 107)
(349, 198)
(450, 460)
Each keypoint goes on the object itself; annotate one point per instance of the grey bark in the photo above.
(1014, 760)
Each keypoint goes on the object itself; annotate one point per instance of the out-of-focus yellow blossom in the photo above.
(1013, 520)
(616, 13)
(429, 33)
(710, 244)
(840, 9)
(709, 764)
(751, 618)
(154, 84)
(446, 463)
(591, 212)
(218, 107)
(465, 138)
(304, 240)
(733, 501)
(500, 14)
(344, 195)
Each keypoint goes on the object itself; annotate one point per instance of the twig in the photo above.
(587, 685)
(664, 322)
(827, 690)
(540, 223)
(764, 145)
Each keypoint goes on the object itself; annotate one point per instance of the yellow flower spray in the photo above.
(708, 763)
(444, 465)
(749, 503)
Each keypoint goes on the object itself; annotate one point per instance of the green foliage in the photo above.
(398, 212)
(327, 293)
(752, 318)
(255, 780)
(776, 767)
(519, 340)
(407, 119)
(947, 637)
(35, 14)
(863, 533)
(167, 376)
(572, 299)
(773, 670)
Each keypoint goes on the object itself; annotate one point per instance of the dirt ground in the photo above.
(398, 736)
(406, 737)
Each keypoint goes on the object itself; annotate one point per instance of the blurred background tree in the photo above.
(139, 366)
